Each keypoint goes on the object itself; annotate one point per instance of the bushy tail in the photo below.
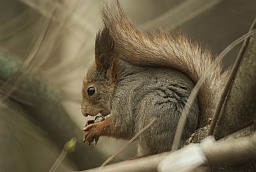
(163, 50)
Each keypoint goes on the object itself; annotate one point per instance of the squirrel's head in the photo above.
(99, 82)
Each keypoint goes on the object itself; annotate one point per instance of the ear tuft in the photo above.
(104, 49)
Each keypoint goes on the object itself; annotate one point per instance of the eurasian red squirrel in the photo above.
(140, 76)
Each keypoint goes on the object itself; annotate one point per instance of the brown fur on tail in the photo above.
(163, 50)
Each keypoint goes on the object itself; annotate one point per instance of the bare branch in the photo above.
(239, 107)
(231, 151)
(230, 79)
(219, 153)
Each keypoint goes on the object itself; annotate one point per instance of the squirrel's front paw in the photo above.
(91, 133)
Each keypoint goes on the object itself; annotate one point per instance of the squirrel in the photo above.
(140, 76)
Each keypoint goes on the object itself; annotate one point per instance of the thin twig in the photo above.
(193, 95)
(68, 148)
(58, 161)
(230, 80)
(128, 143)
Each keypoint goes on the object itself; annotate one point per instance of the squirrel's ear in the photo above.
(104, 49)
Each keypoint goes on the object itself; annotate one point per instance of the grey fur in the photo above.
(143, 94)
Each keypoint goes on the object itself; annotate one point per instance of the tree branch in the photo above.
(239, 108)
(230, 80)
(222, 152)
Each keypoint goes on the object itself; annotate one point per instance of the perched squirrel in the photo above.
(140, 76)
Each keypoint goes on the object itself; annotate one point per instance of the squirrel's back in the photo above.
(163, 50)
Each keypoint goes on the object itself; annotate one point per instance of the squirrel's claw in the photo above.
(96, 140)
(91, 134)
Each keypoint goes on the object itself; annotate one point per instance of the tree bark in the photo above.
(239, 109)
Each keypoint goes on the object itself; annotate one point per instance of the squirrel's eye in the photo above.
(91, 91)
